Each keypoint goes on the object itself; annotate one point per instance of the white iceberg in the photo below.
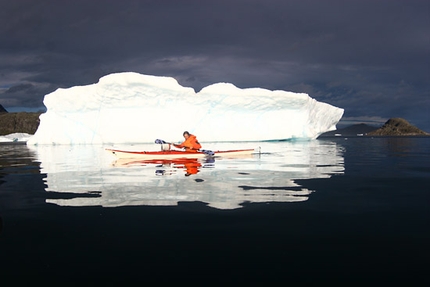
(135, 108)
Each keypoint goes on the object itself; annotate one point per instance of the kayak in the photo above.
(173, 154)
(164, 162)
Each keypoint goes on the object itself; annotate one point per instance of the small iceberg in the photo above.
(15, 138)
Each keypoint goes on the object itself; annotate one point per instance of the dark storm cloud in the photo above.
(369, 57)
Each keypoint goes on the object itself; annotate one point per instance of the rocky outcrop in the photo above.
(2, 110)
(398, 127)
(22, 122)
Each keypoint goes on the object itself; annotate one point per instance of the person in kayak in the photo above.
(190, 144)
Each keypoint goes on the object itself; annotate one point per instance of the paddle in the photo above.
(205, 151)
(158, 141)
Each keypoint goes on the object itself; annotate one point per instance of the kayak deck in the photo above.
(173, 154)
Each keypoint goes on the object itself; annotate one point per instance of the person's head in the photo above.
(186, 134)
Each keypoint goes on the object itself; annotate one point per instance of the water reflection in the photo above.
(190, 166)
(223, 183)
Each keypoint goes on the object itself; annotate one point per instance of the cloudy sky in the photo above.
(370, 57)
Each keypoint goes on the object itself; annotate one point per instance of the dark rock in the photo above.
(398, 127)
(22, 122)
(2, 110)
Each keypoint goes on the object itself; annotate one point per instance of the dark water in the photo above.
(336, 210)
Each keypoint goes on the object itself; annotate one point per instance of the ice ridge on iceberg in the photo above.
(135, 108)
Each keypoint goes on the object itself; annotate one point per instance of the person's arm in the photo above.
(180, 145)
(187, 144)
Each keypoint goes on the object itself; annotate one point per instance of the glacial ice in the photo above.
(135, 108)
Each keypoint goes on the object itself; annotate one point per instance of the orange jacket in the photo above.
(190, 143)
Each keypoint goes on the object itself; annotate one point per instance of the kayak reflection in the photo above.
(169, 166)
(190, 166)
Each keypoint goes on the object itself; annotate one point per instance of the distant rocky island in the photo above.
(398, 127)
(393, 127)
(353, 130)
(22, 122)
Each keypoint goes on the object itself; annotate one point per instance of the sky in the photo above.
(369, 57)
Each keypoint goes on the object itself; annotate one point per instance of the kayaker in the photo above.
(190, 144)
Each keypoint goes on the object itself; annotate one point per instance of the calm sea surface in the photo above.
(341, 210)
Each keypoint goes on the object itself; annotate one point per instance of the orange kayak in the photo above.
(173, 154)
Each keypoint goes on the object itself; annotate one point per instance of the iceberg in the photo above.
(135, 108)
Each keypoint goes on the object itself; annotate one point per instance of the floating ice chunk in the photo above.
(15, 137)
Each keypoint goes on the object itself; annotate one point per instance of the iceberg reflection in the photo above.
(223, 183)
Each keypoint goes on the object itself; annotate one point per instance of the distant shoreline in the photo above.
(375, 136)
(13, 143)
